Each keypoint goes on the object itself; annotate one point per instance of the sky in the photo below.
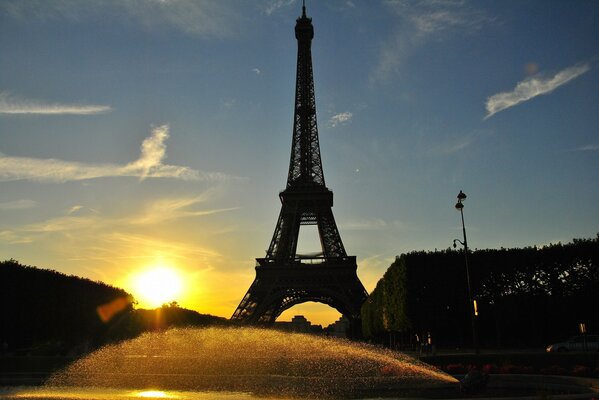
(137, 134)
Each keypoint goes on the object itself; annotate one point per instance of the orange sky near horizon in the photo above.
(161, 283)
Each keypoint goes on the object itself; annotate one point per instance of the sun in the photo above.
(157, 285)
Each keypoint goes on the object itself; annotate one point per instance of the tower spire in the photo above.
(305, 166)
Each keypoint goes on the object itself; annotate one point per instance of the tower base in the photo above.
(281, 285)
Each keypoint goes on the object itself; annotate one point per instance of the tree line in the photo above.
(526, 297)
(47, 312)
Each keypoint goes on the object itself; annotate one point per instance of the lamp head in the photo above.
(459, 205)
(461, 196)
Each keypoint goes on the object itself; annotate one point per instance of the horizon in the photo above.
(156, 135)
(287, 315)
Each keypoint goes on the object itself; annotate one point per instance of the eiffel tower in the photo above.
(285, 278)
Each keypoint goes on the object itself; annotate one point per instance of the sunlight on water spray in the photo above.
(242, 360)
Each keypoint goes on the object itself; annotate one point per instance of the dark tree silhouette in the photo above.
(526, 297)
(47, 309)
(47, 312)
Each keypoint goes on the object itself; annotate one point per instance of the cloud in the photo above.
(256, 71)
(340, 118)
(14, 105)
(419, 22)
(372, 224)
(174, 208)
(455, 17)
(65, 224)
(206, 18)
(81, 210)
(532, 87)
(12, 237)
(153, 213)
(588, 147)
(18, 205)
(133, 242)
(228, 103)
(74, 209)
(148, 165)
(274, 5)
(453, 144)
(153, 151)
(111, 239)
(451, 148)
(79, 221)
(365, 225)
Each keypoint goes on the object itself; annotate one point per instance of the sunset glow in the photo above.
(154, 394)
(157, 285)
(144, 144)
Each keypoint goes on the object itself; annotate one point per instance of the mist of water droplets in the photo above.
(247, 359)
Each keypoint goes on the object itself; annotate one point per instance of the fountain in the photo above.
(239, 363)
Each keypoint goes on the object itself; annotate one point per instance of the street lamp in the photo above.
(471, 304)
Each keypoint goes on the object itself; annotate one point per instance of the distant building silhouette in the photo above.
(338, 328)
(298, 324)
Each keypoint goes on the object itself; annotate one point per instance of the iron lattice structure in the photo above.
(284, 278)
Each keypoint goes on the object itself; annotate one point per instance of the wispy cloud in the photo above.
(169, 209)
(206, 18)
(365, 225)
(66, 223)
(148, 165)
(18, 205)
(256, 71)
(228, 103)
(201, 18)
(419, 22)
(446, 17)
(454, 143)
(274, 5)
(450, 148)
(588, 147)
(434, 143)
(80, 210)
(74, 209)
(340, 118)
(12, 237)
(14, 105)
(110, 237)
(532, 87)
(153, 213)
(133, 242)
(371, 224)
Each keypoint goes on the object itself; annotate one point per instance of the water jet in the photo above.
(189, 362)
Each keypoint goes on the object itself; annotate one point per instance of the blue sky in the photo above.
(138, 133)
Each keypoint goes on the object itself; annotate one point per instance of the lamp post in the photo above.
(471, 304)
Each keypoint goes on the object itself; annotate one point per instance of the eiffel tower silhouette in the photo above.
(284, 278)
